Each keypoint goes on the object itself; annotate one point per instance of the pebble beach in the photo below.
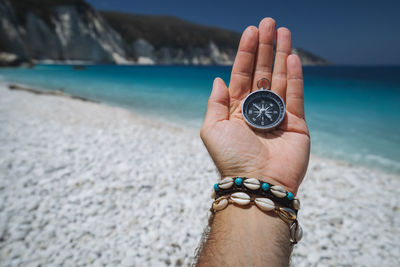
(86, 184)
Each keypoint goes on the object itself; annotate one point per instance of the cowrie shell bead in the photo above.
(286, 214)
(278, 191)
(252, 183)
(296, 204)
(264, 204)
(226, 183)
(299, 233)
(220, 204)
(213, 194)
(240, 198)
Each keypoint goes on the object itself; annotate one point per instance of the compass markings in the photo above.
(263, 109)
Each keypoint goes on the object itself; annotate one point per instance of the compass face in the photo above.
(263, 109)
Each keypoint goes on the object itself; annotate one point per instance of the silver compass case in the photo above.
(263, 110)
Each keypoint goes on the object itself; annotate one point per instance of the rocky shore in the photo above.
(82, 184)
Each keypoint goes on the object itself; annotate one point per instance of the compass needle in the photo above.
(257, 107)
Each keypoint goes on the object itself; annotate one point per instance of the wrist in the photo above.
(247, 237)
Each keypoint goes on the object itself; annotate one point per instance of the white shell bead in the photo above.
(299, 233)
(252, 183)
(278, 191)
(264, 204)
(220, 204)
(296, 204)
(226, 183)
(240, 198)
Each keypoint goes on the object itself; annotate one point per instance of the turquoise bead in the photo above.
(289, 195)
(238, 181)
(265, 186)
(216, 188)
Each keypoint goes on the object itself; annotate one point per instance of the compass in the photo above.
(263, 109)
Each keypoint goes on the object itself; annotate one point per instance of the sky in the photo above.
(348, 32)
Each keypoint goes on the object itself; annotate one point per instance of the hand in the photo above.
(279, 156)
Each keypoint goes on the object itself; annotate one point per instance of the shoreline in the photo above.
(176, 125)
(88, 183)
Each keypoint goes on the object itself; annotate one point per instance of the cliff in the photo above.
(12, 45)
(165, 39)
(71, 30)
(309, 59)
(63, 30)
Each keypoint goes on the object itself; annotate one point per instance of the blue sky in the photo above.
(343, 32)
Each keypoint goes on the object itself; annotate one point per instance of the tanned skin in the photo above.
(247, 236)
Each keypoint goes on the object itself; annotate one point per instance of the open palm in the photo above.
(281, 155)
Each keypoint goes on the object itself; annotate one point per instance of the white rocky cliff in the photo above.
(12, 44)
(73, 32)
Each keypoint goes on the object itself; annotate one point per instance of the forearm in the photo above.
(246, 237)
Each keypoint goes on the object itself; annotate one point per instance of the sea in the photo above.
(353, 112)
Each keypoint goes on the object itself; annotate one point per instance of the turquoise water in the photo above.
(353, 112)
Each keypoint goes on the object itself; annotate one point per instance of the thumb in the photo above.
(218, 103)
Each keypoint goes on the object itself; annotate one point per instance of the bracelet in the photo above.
(246, 191)
(242, 199)
(254, 186)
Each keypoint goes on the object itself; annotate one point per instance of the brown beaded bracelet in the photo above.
(265, 204)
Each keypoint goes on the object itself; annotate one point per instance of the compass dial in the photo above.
(263, 109)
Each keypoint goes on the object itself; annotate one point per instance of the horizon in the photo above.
(354, 44)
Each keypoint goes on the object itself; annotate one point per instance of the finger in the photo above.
(295, 87)
(218, 103)
(283, 50)
(265, 54)
(242, 70)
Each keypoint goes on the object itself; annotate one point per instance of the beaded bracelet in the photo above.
(265, 204)
(254, 186)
